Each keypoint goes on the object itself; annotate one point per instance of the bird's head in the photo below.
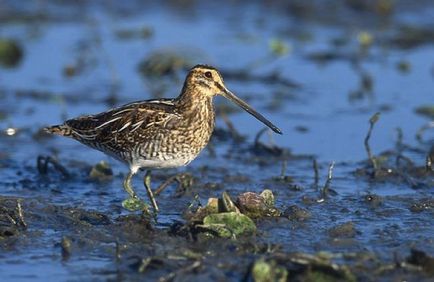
(209, 82)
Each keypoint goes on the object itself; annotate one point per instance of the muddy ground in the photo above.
(353, 189)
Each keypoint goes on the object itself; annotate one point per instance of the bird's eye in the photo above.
(208, 74)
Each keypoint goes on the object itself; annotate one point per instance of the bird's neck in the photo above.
(196, 106)
(191, 99)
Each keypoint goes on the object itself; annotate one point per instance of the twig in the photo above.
(65, 245)
(42, 165)
(422, 130)
(164, 185)
(175, 178)
(428, 163)
(399, 149)
(409, 180)
(196, 200)
(283, 170)
(117, 251)
(186, 269)
(6, 213)
(400, 157)
(329, 177)
(234, 132)
(316, 173)
(371, 158)
(258, 136)
(399, 142)
(21, 214)
(144, 264)
(326, 188)
(269, 148)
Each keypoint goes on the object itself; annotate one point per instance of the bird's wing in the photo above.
(124, 120)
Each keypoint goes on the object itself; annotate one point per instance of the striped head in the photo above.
(207, 81)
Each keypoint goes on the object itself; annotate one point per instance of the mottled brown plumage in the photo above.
(159, 133)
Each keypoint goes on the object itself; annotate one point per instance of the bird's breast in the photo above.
(178, 144)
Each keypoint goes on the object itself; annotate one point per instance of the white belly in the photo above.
(141, 163)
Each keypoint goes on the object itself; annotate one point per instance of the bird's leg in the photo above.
(127, 185)
(147, 183)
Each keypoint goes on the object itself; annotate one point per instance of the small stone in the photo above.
(373, 200)
(257, 205)
(296, 213)
(344, 230)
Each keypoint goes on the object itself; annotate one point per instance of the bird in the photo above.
(157, 133)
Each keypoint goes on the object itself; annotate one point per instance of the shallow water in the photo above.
(319, 119)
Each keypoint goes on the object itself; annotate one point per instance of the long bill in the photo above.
(231, 96)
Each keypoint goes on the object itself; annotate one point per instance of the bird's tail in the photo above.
(61, 129)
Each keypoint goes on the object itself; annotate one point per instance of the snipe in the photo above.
(160, 133)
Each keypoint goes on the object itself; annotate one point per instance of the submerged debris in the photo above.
(184, 181)
(429, 160)
(11, 219)
(422, 130)
(315, 173)
(365, 39)
(261, 148)
(101, 172)
(373, 200)
(297, 213)
(319, 267)
(164, 63)
(42, 165)
(265, 271)
(246, 75)
(344, 230)
(279, 47)
(427, 110)
(422, 205)
(10, 52)
(65, 247)
(144, 32)
(412, 36)
(403, 66)
(423, 260)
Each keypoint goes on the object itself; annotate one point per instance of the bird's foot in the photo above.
(135, 204)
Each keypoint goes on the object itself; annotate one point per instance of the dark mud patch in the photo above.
(133, 246)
